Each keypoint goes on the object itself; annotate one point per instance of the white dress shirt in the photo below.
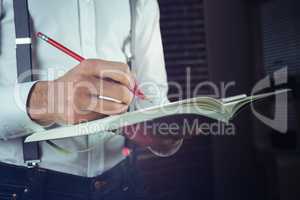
(94, 29)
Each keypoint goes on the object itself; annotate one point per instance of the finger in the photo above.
(113, 90)
(73, 116)
(107, 107)
(116, 71)
(90, 116)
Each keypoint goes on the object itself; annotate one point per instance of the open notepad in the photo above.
(218, 109)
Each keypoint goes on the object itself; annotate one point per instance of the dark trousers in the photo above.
(120, 183)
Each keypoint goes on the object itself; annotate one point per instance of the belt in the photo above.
(43, 181)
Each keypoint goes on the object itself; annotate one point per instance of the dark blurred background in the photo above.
(241, 41)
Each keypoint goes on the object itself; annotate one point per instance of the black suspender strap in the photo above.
(24, 66)
(23, 39)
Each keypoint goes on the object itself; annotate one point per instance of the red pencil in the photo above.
(60, 46)
(136, 91)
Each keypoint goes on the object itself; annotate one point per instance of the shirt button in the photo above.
(99, 184)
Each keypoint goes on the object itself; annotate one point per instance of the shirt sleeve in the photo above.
(148, 63)
(14, 120)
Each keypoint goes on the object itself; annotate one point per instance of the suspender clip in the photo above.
(32, 163)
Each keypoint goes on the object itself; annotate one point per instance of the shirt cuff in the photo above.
(14, 120)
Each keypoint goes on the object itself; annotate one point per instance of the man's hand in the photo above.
(73, 98)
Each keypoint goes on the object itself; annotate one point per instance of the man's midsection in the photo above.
(78, 159)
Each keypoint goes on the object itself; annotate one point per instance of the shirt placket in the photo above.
(88, 28)
(88, 47)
